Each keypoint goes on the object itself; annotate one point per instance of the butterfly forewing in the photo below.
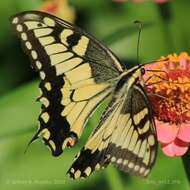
(77, 73)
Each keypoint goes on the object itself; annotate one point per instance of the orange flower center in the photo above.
(169, 88)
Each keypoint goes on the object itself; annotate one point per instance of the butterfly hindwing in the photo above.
(133, 146)
(93, 155)
(70, 63)
(125, 137)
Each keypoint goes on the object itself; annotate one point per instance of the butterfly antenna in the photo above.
(140, 25)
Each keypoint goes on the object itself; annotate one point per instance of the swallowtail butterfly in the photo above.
(77, 74)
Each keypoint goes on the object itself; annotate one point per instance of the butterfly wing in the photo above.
(133, 148)
(125, 137)
(77, 73)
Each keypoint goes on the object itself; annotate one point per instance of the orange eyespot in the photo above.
(71, 142)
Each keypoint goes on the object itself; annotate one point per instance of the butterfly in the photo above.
(77, 74)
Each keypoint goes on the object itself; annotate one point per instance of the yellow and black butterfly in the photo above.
(77, 73)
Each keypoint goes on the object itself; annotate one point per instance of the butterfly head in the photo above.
(137, 71)
(142, 69)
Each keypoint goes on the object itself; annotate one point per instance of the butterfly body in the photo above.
(77, 74)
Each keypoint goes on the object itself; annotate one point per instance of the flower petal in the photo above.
(166, 133)
(183, 60)
(184, 132)
(175, 148)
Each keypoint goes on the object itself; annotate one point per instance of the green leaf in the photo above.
(19, 111)
(124, 32)
(114, 179)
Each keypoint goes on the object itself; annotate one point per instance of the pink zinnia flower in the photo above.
(169, 92)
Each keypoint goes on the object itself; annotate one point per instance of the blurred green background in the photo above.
(166, 31)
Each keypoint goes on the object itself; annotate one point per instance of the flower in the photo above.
(59, 8)
(141, 1)
(168, 85)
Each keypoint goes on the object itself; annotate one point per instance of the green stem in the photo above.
(166, 15)
(186, 164)
(114, 179)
